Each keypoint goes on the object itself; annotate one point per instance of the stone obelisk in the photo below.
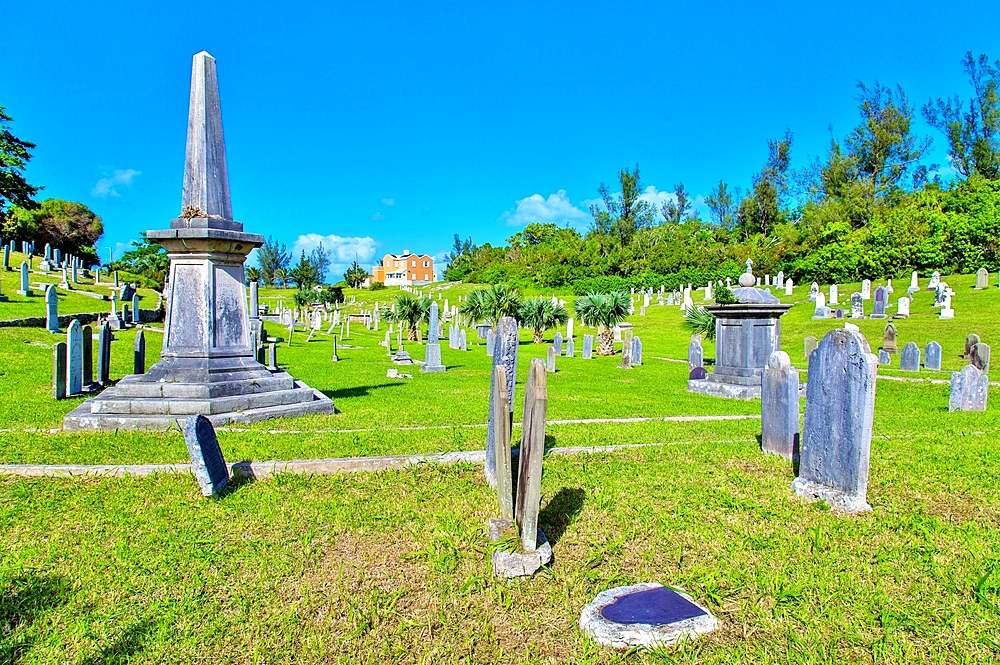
(207, 365)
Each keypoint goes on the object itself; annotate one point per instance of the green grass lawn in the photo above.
(394, 566)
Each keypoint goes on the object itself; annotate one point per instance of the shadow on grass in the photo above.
(123, 647)
(23, 599)
(561, 511)
(357, 391)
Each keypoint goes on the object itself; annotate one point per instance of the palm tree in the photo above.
(474, 306)
(493, 303)
(253, 274)
(410, 310)
(540, 315)
(605, 310)
(281, 275)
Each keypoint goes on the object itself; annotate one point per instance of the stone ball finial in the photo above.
(747, 278)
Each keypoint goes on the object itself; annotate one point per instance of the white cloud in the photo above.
(379, 217)
(118, 249)
(344, 251)
(105, 187)
(554, 210)
(389, 201)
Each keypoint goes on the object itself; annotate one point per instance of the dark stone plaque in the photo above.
(698, 374)
(206, 456)
(656, 606)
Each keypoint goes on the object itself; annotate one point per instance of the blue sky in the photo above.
(375, 127)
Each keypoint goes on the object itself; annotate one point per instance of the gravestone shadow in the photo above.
(23, 600)
(357, 391)
(561, 511)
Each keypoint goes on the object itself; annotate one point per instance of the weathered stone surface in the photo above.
(25, 289)
(504, 353)
(982, 279)
(522, 564)
(529, 479)
(980, 357)
(857, 306)
(570, 348)
(636, 350)
(88, 355)
(889, 337)
(696, 355)
(840, 406)
(881, 300)
(139, 354)
(626, 362)
(206, 456)
(557, 342)
(698, 374)
(74, 358)
(51, 309)
(501, 442)
(206, 177)
(809, 345)
(866, 289)
(550, 360)
(909, 359)
(884, 358)
(59, 370)
(640, 624)
(588, 347)
(780, 407)
(932, 356)
(970, 341)
(432, 324)
(969, 390)
(432, 358)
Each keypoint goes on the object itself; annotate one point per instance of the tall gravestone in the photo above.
(857, 306)
(51, 309)
(207, 462)
(932, 356)
(909, 359)
(840, 407)
(501, 443)
(25, 289)
(880, 302)
(504, 353)
(550, 360)
(207, 363)
(636, 350)
(529, 479)
(88, 356)
(969, 390)
(432, 359)
(588, 347)
(59, 370)
(557, 342)
(866, 289)
(779, 403)
(139, 354)
(74, 358)
(104, 354)
(626, 362)
(570, 347)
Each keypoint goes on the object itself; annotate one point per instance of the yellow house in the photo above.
(404, 269)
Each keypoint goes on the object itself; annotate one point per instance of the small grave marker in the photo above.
(207, 462)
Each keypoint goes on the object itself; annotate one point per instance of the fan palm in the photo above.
(252, 274)
(411, 310)
(474, 306)
(281, 275)
(493, 303)
(540, 315)
(605, 310)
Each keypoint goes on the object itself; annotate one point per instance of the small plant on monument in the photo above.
(725, 296)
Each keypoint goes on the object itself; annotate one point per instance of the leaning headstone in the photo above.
(74, 358)
(588, 347)
(529, 479)
(504, 353)
(51, 309)
(779, 403)
(969, 390)
(982, 279)
(840, 407)
(207, 463)
(139, 354)
(501, 434)
(59, 370)
(881, 299)
(25, 289)
(932, 356)
(970, 341)
(909, 358)
(980, 357)
(696, 355)
(809, 345)
(889, 337)
(550, 360)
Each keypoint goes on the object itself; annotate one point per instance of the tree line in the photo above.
(871, 207)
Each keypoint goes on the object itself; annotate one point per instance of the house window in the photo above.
(413, 264)
(426, 264)
(425, 278)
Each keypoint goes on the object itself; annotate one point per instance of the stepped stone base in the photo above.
(138, 403)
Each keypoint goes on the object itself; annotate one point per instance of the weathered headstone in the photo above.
(272, 356)
(914, 284)
(696, 355)
(557, 342)
(969, 390)
(866, 289)
(902, 308)
(881, 300)
(932, 356)
(88, 356)
(432, 359)
(780, 407)
(889, 337)
(588, 347)
(462, 344)
(935, 280)
(789, 286)
(501, 434)
(627, 337)
(570, 347)
(139, 354)
(946, 311)
(569, 329)
(840, 406)
(884, 358)
(490, 342)
(550, 359)
(636, 350)
(982, 279)
(25, 289)
(834, 294)
(207, 463)
(970, 341)
(529, 479)
(504, 353)
(135, 309)
(821, 311)
(51, 309)
(74, 358)
(59, 370)
(909, 358)
(104, 354)
(809, 345)
(980, 357)
(813, 291)
(857, 306)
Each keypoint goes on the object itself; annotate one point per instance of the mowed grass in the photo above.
(394, 566)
